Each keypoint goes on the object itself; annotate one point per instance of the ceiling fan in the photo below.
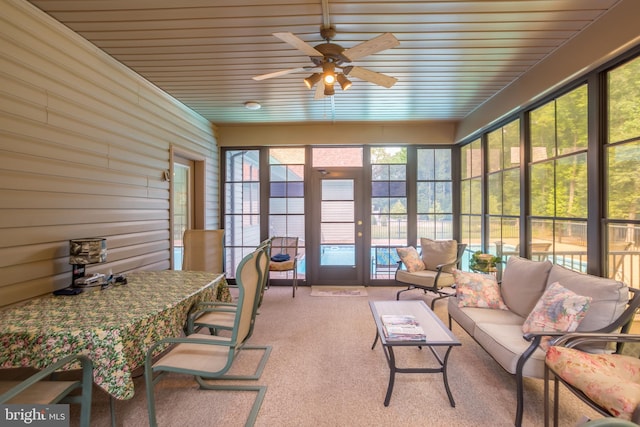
(331, 62)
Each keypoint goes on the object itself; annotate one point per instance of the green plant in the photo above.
(484, 263)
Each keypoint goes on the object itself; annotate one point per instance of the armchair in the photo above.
(38, 389)
(439, 257)
(607, 382)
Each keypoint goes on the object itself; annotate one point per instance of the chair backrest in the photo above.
(460, 252)
(284, 245)
(265, 246)
(248, 281)
(203, 250)
(262, 262)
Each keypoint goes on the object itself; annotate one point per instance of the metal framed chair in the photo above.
(616, 255)
(287, 249)
(203, 250)
(218, 315)
(210, 357)
(41, 389)
(438, 281)
(606, 382)
(384, 262)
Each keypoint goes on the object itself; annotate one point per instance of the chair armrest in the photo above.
(439, 267)
(535, 338)
(189, 339)
(193, 315)
(85, 362)
(210, 304)
(531, 336)
(577, 338)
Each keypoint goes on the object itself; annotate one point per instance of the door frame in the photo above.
(197, 192)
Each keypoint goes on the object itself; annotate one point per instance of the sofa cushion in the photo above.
(505, 344)
(609, 297)
(436, 252)
(558, 310)
(467, 317)
(411, 259)
(611, 380)
(424, 278)
(523, 283)
(477, 290)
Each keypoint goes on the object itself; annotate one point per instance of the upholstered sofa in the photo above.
(496, 319)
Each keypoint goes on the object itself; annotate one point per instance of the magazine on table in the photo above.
(402, 327)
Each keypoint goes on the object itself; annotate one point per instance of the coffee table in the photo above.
(437, 335)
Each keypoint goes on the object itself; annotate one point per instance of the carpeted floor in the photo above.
(323, 372)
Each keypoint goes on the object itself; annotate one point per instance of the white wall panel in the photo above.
(84, 143)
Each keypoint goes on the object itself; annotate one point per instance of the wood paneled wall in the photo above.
(84, 143)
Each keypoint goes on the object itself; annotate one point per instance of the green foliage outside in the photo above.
(434, 187)
(623, 185)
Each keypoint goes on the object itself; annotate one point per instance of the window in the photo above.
(622, 183)
(241, 207)
(471, 197)
(434, 194)
(388, 208)
(503, 190)
(558, 181)
(286, 199)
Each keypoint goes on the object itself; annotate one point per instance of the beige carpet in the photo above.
(338, 291)
(323, 372)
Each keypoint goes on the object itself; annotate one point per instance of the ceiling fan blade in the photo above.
(370, 76)
(319, 91)
(279, 73)
(298, 43)
(375, 45)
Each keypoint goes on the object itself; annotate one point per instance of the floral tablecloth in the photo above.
(113, 327)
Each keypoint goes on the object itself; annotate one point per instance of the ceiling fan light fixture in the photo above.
(345, 83)
(312, 80)
(329, 78)
(329, 73)
(329, 90)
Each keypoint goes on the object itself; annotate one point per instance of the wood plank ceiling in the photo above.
(453, 55)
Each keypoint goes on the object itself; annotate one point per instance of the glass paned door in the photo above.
(338, 227)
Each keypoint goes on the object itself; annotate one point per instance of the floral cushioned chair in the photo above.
(608, 383)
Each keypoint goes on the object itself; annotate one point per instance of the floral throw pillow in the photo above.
(477, 290)
(411, 259)
(558, 310)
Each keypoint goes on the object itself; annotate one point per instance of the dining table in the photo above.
(114, 326)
